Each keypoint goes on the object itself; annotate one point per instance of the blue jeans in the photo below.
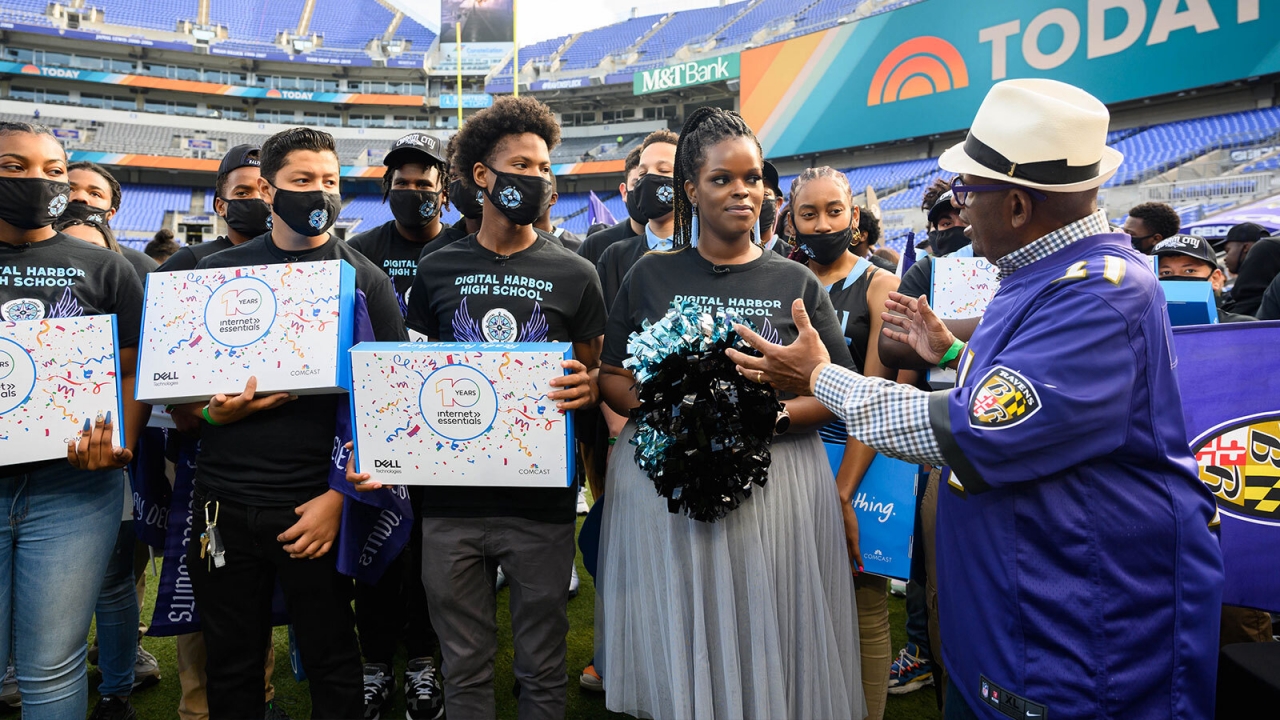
(117, 613)
(60, 526)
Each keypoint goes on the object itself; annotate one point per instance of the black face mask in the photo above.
(469, 202)
(310, 213)
(768, 214)
(250, 218)
(945, 242)
(31, 203)
(522, 198)
(825, 248)
(651, 198)
(414, 209)
(81, 210)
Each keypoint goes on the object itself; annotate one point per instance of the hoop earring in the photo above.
(693, 240)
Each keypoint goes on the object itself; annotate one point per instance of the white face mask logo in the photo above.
(510, 198)
(57, 205)
(318, 218)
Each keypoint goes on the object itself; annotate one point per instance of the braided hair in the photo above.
(705, 127)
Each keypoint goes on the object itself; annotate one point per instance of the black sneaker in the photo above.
(423, 696)
(113, 708)
(378, 685)
(275, 713)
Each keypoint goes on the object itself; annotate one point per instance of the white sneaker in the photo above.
(501, 582)
(583, 507)
(9, 688)
(897, 588)
(146, 671)
(573, 581)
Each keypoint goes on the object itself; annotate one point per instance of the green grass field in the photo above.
(160, 702)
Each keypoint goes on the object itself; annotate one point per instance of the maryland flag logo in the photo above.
(1003, 399)
(1241, 467)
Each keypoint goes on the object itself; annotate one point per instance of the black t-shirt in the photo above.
(1269, 309)
(882, 263)
(394, 253)
(761, 290)
(1259, 268)
(142, 263)
(67, 277)
(281, 456)
(189, 255)
(451, 234)
(594, 246)
(542, 294)
(918, 280)
(568, 239)
(616, 261)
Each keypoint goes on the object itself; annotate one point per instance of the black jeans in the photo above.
(394, 609)
(235, 613)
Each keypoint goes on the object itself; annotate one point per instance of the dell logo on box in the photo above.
(157, 377)
(386, 464)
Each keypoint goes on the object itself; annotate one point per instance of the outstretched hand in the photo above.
(912, 322)
(785, 367)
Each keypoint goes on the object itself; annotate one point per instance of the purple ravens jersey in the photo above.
(1080, 573)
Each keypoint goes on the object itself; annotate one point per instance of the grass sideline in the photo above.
(160, 702)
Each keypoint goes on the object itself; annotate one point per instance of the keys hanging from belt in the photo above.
(211, 539)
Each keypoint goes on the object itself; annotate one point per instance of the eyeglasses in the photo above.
(960, 192)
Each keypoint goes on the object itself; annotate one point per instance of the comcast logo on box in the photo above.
(918, 67)
(458, 402)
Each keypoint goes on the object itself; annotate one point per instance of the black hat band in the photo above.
(1045, 172)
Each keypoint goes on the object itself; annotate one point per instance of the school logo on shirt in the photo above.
(510, 198)
(1003, 399)
(318, 218)
(57, 205)
(499, 325)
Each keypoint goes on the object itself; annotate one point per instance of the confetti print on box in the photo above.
(963, 287)
(207, 331)
(54, 374)
(459, 417)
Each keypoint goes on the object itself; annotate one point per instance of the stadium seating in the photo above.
(764, 14)
(1264, 165)
(26, 18)
(349, 23)
(539, 52)
(259, 20)
(153, 14)
(601, 148)
(420, 35)
(368, 208)
(142, 207)
(1157, 149)
(687, 27)
(594, 45)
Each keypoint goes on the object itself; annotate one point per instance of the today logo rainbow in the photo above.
(918, 67)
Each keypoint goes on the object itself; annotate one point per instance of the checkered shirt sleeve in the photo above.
(892, 418)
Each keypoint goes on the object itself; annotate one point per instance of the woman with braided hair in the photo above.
(751, 616)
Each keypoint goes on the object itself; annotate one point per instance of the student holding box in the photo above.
(61, 522)
(262, 472)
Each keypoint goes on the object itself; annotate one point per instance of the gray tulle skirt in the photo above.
(752, 616)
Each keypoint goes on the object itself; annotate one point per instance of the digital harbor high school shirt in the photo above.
(466, 293)
(281, 456)
(1080, 573)
(396, 255)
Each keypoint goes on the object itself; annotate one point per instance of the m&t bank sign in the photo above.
(694, 72)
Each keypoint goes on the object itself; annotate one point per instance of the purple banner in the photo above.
(1234, 429)
(175, 611)
(135, 40)
(1263, 212)
(597, 211)
(152, 496)
(273, 55)
(375, 525)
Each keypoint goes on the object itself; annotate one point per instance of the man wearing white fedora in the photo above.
(1080, 570)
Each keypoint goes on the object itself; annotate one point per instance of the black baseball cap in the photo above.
(771, 178)
(940, 206)
(411, 147)
(238, 157)
(1246, 232)
(1189, 245)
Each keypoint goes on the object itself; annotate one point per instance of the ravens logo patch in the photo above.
(1003, 399)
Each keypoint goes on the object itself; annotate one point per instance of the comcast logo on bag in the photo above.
(458, 402)
(240, 312)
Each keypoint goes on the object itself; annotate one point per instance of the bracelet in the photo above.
(205, 412)
(952, 354)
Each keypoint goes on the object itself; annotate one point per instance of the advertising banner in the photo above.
(485, 28)
(469, 100)
(924, 69)
(686, 74)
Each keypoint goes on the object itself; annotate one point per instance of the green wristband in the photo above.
(205, 412)
(952, 354)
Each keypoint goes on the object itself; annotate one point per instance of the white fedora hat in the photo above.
(1038, 133)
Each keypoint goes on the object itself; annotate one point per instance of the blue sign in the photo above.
(469, 100)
